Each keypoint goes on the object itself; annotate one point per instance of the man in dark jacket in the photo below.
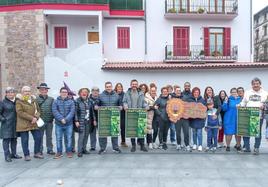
(8, 125)
(187, 90)
(134, 98)
(108, 98)
(45, 104)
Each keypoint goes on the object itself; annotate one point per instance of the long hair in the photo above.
(205, 93)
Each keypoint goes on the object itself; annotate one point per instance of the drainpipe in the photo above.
(251, 33)
(145, 30)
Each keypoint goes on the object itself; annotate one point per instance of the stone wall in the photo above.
(22, 48)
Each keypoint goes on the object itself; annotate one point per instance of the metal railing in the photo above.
(197, 53)
(201, 6)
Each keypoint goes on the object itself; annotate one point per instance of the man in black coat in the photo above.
(8, 125)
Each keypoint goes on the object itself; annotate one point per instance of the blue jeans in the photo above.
(212, 135)
(172, 132)
(25, 141)
(197, 137)
(64, 130)
(257, 139)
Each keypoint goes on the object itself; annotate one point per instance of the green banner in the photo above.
(109, 121)
(136, 123)
(248, 122)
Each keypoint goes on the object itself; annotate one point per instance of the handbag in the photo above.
(40, 122)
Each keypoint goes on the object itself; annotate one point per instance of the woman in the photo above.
(84, 115)
(120, 91)
(222, 95)
(144, 88)
(8, 125)
(209, 94)
(230, 118)
(28, 113)
(150, 98)
(163, 120)
(197, 124)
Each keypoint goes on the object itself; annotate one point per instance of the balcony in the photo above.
(201, 9)
(126, 4)
(197, 54)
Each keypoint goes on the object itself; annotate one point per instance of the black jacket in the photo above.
(161, 112)
(8, 119)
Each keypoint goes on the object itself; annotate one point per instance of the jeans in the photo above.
(103, 142)
(66, 131)
(155, 129)
(163, 130)
(47, 128)
(184, 125)
(257, 139)
(9, 143)
(83, 137)
(73, 140)
(172, 133)
(93, 137)
(212, 134)
(197, 136)
(25, 141)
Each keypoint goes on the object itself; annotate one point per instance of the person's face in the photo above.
(165, 92)
(178, 91)
(64, 93)
(43, 91)
(84, 94)
(26, 93)
(109, 88)
(187, 87)
(240, 93)
(170, 90)
(209, 92)
(210, 106)
(196, 94)
(153, 92)
(143, 89)
(234, 93)
(10, 95)
(95, 93)
(134, 85)
(256, 86)
(222, 95)
(119, 88)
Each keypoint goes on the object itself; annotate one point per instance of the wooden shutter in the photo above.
(227, 41)
(123, 37)
(206, 41)
(60, 37)
(181, 41)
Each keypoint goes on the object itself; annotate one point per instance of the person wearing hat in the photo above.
(8, 127)
(45, 104)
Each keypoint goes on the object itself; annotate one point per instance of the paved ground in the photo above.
(156, 168)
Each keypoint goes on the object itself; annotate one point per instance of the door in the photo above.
(216, 41)
(93, 37)
(181, 41)
(216, 6)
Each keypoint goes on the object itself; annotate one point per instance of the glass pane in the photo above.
(220, 44)
(212, 43)
(220, 5)
(212, 5)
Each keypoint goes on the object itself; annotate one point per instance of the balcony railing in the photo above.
(196, 53)
(126, 4)
(201, 6)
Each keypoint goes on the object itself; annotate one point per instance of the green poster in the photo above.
(248, 122)
(109, 121)
(136, 123)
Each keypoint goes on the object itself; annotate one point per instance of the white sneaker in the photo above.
(207, 149)
(173, 143)
(194, 147)
(188, 148)
(178, 147)
(155, 146)
(150, 146)
(200, 148)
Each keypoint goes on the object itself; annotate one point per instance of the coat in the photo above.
(197, 123)
(25, 113)
(161, 112)
(127, 101)
(109, 99)
(45, 105)
(80, 111)
(94, 102)
(63, 109)
(8, 119)
(150, 114)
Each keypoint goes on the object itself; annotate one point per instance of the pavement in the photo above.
(156, 168)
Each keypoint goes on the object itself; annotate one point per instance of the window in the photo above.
(92, 37)
(265, 16)
(123, 37)
(60, 37)
(46, 28)
(257, 34)
(265, 30)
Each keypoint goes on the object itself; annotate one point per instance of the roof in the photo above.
(180, 66)
(261, 12)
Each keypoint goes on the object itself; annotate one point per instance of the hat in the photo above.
(43, 85)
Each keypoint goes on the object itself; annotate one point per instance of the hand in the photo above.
(125, 107)
(120, 108)
(34, 120)
(147, 108)
(63, 121)
(214, 116)
(226, 99)
(95, 123)
(77, 124)
(238, 106)
(96, 107)
(156, 107)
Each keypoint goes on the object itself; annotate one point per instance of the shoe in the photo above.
(235, 146)
(102, 151)
(200, 148)
(133, 149)
(27, 158)
(238, 148)
(16, 156)
(228, 149)
(155, 146)
(178, 147)
(8, 159)
(73, 151)
(214, 149)
(173, 143)
(165, 147)
(70, 155)
(150, 146)
(246, 150)
(123, 144)
(221, 145)
(160, 146)
(143, 148)
(51, 153)
(188, 148)
(194, 147)
(80, 155)
(58, 155)
(92, 149)
(39, 156)
(85, 152)
(117, 150)
(256, 151)
(207, 149)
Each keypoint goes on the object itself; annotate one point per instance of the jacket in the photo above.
(230, 109)
(127, 101)
(161, 112)
(45, 105)
(210, 121)
(197, 123)
(109, 99)
(150, 114)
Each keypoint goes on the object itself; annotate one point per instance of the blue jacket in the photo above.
(109, 99)
(63, 109)
(230, 116)
(197, 123)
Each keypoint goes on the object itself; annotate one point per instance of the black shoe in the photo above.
(92, 149)
(102, 151)
(8, 159)
(73, 150)
(165, 147)
(16, 156)
(256, 151)
(246, 150)
(133, 149)
(80, 155)
(51, 153)
(143, 148)
(228, 149)
(117, 150)
(85, 152)
(238, 148)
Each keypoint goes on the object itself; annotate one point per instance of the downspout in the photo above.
(251, 33)
(145, 30)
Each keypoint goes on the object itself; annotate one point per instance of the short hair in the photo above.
(63, 88)
(25, 88)
(176, 86)
(232, 89)
(240, 88)
(79, 92)
(164, 88)
(95, 88)
(256, 79)
(169, 86)
(196, 89)
(118, 84)
(133, 80)
(108, 82)
(153, 85)
(187, 83)
(10, 90)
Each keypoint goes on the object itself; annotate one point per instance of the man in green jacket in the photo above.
(45, 104)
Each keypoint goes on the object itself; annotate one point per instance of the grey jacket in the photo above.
(127, 101)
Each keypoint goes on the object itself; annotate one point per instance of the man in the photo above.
(94, 98)
(134, 98)
(108, 98)
(45, 104)
(254, 98)
(241, 92)
(63, 109)
(187, 90)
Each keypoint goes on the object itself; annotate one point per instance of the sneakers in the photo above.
(15, 156)
(80, 155)
(238, 148)
(178, 147)
(27, 158)
(143, 148)
(194, 147)
(221, 145)
(200, 148)
(123, 144)
(256, 151)
(133, 149)
(165, 147)
(246, 150)
(85, 152)
(117, 150)
(173, 143)
(92, 149)
(228, 149)
(160, 146)
(207, 149)
(155, 146)
(188, 148)
(8, 159)
(39, 156)
(102, 151)
(58, 156)
(51, 153)
(214, 149)
(150, 146)
(70, 155)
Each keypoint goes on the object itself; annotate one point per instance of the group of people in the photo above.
(20, 113)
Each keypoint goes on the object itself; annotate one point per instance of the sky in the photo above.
(258, 5)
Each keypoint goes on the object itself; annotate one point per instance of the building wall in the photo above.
(22, 48)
